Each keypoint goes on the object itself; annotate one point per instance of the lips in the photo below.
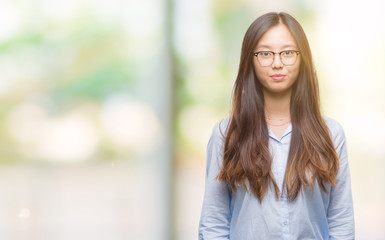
(278, 77)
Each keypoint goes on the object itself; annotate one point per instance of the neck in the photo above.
(277, 105)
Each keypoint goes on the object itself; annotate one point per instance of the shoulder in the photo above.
(219, 132)
(336, 130)
(220, 129)
(216, 145)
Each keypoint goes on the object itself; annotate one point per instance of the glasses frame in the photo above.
(280, 57)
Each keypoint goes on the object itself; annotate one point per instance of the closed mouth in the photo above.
(278, 77)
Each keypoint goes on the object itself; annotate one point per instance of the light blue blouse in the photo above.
(313, 215)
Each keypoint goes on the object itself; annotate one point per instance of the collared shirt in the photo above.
(314, 214)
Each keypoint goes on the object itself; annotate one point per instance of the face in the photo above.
(277, 78)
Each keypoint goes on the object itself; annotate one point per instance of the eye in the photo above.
(265, 53)
(288, 53)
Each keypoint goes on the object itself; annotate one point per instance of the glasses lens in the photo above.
(265, 58)
(288, 57)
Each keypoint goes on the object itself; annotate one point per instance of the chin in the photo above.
(279, 90)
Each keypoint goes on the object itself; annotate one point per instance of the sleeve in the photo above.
(215, 215)
(340, 211)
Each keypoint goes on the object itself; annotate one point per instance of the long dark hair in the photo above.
(312, 155)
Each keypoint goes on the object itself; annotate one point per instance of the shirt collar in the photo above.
(284, 135)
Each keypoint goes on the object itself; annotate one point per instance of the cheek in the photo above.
(260, 72)
(295, 72)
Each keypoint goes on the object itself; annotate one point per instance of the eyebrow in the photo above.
(285, 46)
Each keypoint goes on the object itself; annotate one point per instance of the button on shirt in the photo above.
(314, 214)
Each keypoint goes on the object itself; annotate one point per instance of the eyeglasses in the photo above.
(287, 57)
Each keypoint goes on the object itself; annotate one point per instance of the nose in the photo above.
(277, 63)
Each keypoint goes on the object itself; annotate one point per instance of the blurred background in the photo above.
(106, 108)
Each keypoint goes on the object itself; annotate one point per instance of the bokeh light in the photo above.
(107, 108)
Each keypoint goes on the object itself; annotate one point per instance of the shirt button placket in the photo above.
(285, 219)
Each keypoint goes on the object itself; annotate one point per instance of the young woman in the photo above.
(277, 168)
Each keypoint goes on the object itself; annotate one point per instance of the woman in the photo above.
(277, 168)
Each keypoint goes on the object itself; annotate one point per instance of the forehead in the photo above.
(277, 37)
